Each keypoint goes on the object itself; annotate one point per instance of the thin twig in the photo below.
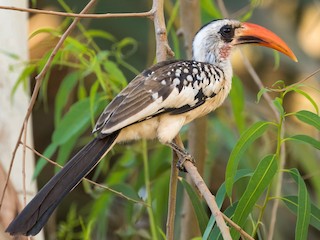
(39, 79)
(24, 164)
(120, 194)
(296, 83)
(80, 15)
(237, 227)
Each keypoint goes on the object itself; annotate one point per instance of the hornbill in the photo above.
(155, 104)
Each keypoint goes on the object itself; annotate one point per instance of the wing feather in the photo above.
(161, 88)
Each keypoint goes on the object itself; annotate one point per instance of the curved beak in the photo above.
(250, 33)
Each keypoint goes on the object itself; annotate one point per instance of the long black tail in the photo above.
(35, 215)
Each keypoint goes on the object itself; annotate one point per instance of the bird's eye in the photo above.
(227, 32)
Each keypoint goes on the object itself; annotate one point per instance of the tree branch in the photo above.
(149, 13)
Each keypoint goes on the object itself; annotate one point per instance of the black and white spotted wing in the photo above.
(171, 86)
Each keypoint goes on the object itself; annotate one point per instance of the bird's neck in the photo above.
(204, 50)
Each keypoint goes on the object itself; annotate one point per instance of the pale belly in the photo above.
(165, 127)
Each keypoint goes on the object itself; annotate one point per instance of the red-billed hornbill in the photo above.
(155, 104)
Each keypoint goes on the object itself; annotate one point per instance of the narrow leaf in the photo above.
(278, 104)
(309, 118)
(306, 139)
(197, 205)
(220, 196)
(63, 94)
(292, 203)
(246, 139)
(237, 103)
(259, 181)
(75, 121)
(304, 207)
(308, 97)
(261, 92)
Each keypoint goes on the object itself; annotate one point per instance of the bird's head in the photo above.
(214, 41)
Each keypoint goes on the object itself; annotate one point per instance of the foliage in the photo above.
(251, 143)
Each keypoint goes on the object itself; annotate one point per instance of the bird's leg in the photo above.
(182, 154)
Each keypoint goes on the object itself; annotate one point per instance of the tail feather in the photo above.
(35, 215)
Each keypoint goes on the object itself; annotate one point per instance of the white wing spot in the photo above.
(155, 95)
(189, 78)
(163, 82)
(178, 72)
(186, 70)
(195, 70)
(176, 81)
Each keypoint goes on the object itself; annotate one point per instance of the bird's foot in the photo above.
(183, 156)
(182, 160)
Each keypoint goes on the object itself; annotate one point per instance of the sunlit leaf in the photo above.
(237, 102)
(94, 33)
(306, 139)
(63, 94)
(261, 92)
(308, 97)
(309, 118)
(76, 120)
(210, 8)
(246, 139)
(259, 181)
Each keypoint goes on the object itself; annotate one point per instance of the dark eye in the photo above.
(227, 32)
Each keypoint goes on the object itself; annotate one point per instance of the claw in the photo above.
(182, 160)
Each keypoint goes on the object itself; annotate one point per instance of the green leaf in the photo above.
(197, 205)
(292, 203)
(210, 8)
(237, 103)
(220, 196)
(126, 190)
(65, 150)
(306, 139)
(246, 139)
(216, 233)
(278, 104)
(308, 97)
(100, 34)
(304, 206)
(115, 73)
(75, 121)
(63, 94)
(259, 181)
(309, 118)
(261, 92)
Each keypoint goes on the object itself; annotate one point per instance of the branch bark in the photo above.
(149, 13)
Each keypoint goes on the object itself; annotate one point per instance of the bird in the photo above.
(155, 105)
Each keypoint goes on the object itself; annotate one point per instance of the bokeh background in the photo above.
(297, 22)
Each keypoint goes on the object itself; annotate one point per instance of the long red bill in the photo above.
(251, 33)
